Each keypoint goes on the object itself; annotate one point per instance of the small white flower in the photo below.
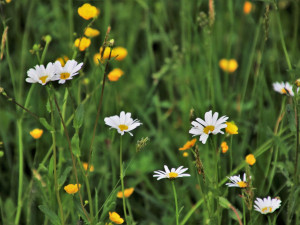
(40, 74)
(123, 124)
(237, 182)
(66, 72)
(283, 88)
(266, 205)
(211, 125)
(174, 173)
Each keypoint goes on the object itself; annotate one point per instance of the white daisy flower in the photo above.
(66, 72)
(123, 124)
(40, 74)
(266, 205)
(174, 173)
(283, 88)
(237, 182)
(211, 125)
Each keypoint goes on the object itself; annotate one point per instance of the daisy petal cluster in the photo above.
(211, 125)
(237, 182)
(283, 88)
(40, 74)
(171, 174)
(123, 123)
(53, 71)
(266, 205)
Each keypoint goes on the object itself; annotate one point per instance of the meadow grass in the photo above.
(171, 77)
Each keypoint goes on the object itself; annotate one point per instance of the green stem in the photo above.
(55, 166)
(192, 210)
(230, 154)
(244, 209)
(20, 188)
(122, 180)
(48, 40)
(86, 180)
(176, 203)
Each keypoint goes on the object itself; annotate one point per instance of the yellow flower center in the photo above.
(123, 127)
(173, 175)
(43, 79)
(209, 128)
(242, 184)
(283, 91)
(64, 76)
(266, 209)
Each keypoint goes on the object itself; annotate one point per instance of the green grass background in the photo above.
(171, 68)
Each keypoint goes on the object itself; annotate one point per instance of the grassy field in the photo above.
(171, 57)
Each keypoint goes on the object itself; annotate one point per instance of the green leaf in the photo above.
(63, 177)
(233, 215)
(44, 122)
(290, 114)
(54, 219)
(224, 202)
(75, 145)
(78, 118)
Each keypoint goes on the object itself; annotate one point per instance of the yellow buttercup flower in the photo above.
(87, 11)
(36, 133)
(7, 1)
(231, 128)
(115, 217)
(185, 154)
(63, 60)
(247, 7)
(250, 159)
(188, 145)
(82, 43)
(228, 65)
(119, 53)
(224, 147)
(85, 167)
(72, 188)
(127, 193)
(90, 32)
(115, 74)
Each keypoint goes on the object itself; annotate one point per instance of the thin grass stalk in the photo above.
(101, 97)
(54, 167)
(72, 156)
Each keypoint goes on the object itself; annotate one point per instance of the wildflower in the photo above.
(185, 154)
(250, 159)
(63, 60)
(90, 32)
(247, 7)
(36, 133)
(297, 82)
(188, 145)
(7, 1)
(123, 123)
(224, 147)
(231, 128)
(72, 188)
(115, 217)
(82, 43)
(266, 205)
(40, 74)
(283, 88)
(127, 193)
(67, 72)
(97, 58)
(237, 182)
(119, 53)
(85, 167)
(87, 11)
(211, 125)
(228, 65)
(174, 173)
(115, 74)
